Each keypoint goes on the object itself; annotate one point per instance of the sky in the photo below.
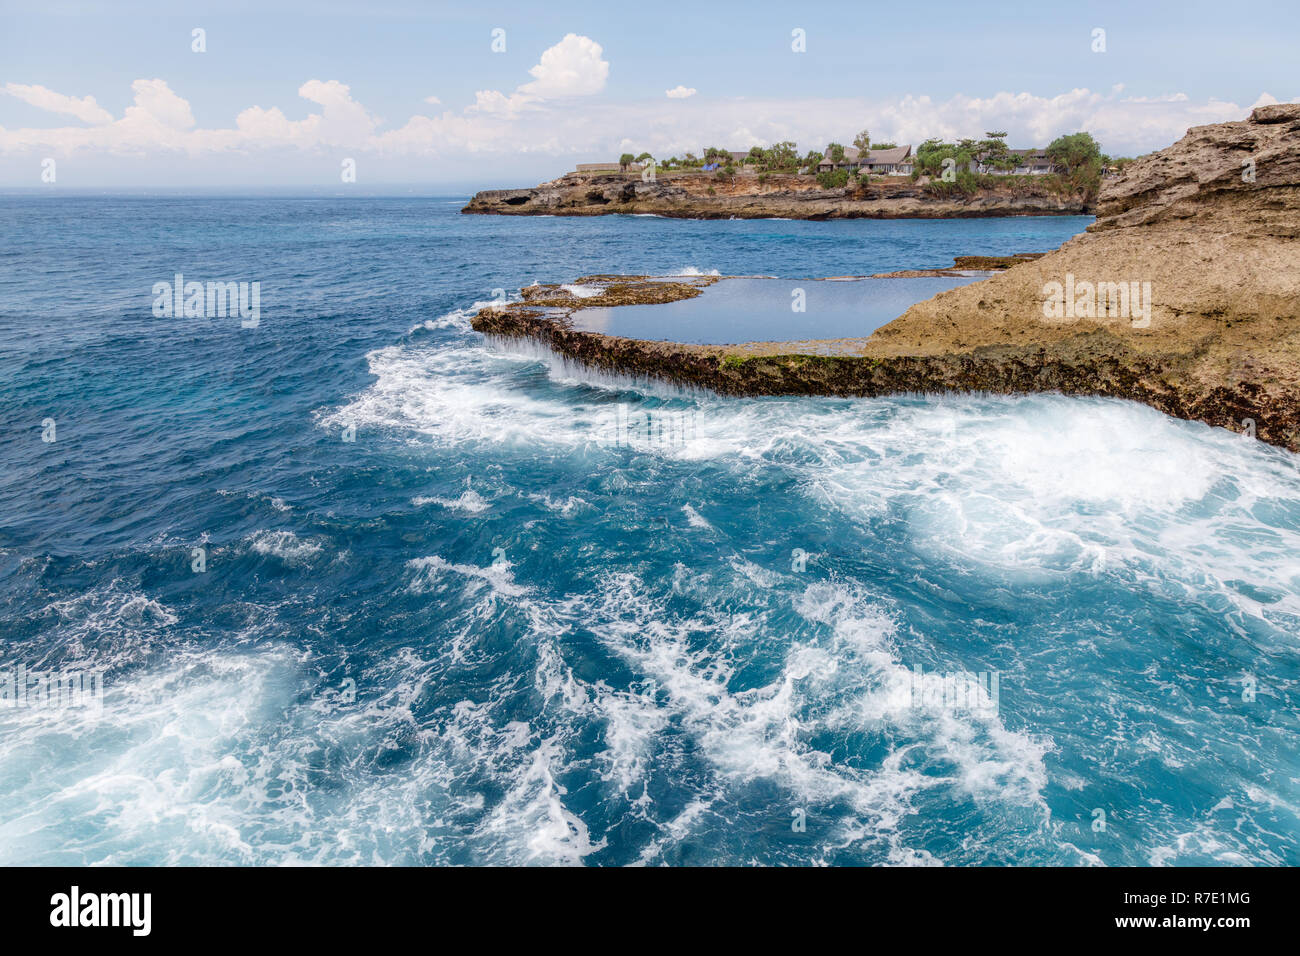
(482, 95)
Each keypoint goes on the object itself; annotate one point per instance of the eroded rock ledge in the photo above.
(781, 196)
(1212, 223)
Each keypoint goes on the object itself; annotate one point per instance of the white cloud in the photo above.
(84, 109)
(572, 67)
(156, 104)
(539, 120)
(433, 100)
(680, 92)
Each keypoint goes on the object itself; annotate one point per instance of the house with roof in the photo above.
(852, 160)
(880, 162)
(592, 168)
(890, 162)
(1029, 162)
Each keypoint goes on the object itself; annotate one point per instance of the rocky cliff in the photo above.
(698, 196)
(1211, 226)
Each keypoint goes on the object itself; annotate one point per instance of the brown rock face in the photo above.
(1212, 224)
(744, 197)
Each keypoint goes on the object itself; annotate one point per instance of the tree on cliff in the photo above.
(626, 160)
(1080, 156)
(1074, 151)
(836, 152)
(781, 156)
(863, 141)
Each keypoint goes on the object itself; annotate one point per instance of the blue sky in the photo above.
(955, 69)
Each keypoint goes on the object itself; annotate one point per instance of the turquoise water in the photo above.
(534, 615)
(765, 310)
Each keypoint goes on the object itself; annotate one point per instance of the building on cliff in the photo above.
(1029, 162)
(880, 162)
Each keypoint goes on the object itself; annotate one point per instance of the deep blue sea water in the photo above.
(509, 624)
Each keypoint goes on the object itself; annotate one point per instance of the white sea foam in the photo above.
(567, 507)
(845, 680)
(496, 576)
(469, 501)
(583, 291)
(286, 546)
(694, 518)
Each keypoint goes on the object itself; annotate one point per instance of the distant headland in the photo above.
(937, 180)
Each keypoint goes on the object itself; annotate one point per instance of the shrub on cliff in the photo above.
(967, 184)
(835, 179)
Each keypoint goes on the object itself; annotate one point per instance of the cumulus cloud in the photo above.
(156, 104)
(680, 92)
(433, 100)
(84, 109)
(573, 67)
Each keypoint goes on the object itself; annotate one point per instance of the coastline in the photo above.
(688, 197)
(1218, 342)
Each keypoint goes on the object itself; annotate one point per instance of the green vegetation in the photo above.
(930, 156)
(781, 157)
(1078, 159)
(833, 179)
(1081, 158)
(965, 184)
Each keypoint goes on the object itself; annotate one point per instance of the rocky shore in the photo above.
(694, 196)
(1184, 295)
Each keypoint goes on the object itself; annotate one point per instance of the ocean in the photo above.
(352, 585)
